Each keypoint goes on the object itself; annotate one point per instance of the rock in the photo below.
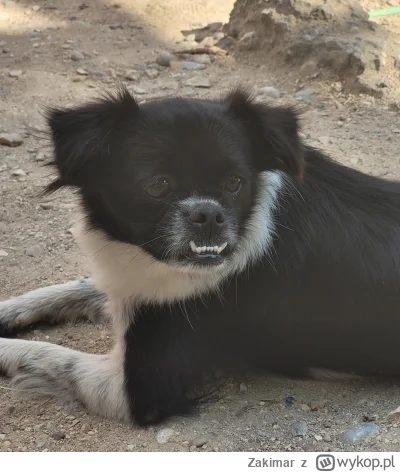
(132, 75)
(359, 433)
(15, 73)
(289, 401)
(116, 26)
(164, 58)
(81, 72)
(130, 447)
(270, 92)
(200, 441)
(36, 250)
(47, 206)
(208, 42)
(199, 34)
(58, 435)
(40, 156)
(164, 435)
(202, 58)
(306, 95)
(189, 65)
(248, 41)
(305, 407)
(318, 437)
(152, 73)
(3, 254)
(18, 173)
(299, 428)
(327, 438)
(2, 437)
(11, 139)
(77, 56)
(394, 416)
(243, 388)
(318, 404)
(353, 161)
(138, 90)
(190, 38)
(41, 441)
(199, 82)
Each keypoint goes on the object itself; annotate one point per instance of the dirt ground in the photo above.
(62, 52)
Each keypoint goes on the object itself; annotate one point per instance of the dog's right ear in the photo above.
(83, 136)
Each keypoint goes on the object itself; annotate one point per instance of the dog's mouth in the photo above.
(206, 255)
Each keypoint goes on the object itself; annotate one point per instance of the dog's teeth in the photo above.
(198, 250)
(221, 248)
(193, 246)
(203, 249)
(215, 248)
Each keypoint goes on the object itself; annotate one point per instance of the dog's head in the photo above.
(177, 177)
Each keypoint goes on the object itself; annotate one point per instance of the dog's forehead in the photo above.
(191, 136)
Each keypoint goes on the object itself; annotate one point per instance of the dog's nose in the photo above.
(207, 215)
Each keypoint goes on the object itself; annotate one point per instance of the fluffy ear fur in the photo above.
(274, 133)
(82, 136)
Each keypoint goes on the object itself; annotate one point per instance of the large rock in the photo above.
(335, 35)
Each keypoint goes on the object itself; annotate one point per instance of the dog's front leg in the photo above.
(96, 381)
(53, 304)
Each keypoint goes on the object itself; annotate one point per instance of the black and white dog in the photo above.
(217, 238)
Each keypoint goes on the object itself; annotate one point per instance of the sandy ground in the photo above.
(39, 39)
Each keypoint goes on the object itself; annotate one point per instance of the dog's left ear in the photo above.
(274, 133)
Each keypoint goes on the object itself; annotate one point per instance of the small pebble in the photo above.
(307, 95)
(199, 82)
(394, 416)
(164, 58)
(318, 437)
(3, 254)
(242, 387)
(299, 428)
(11, 139)
(200, 441)
(270, 92)
(152, 73)
(40, 157)
(289, 401)
(353, 161)
(164, 435)
(138, 90)
(190, 65)
(18, 173)
(15, 73)
(77, 56)
(36, 250)
(81, 72)
(317, 405)
(324, 140)
(202, 58)
(58, 435)
(41, 441)
(359, 433)
(132, 75)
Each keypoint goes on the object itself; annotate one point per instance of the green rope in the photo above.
(386, 11)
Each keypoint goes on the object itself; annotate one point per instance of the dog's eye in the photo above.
(159, 187)
(233, 183)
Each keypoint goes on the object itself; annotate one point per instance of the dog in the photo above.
(217, 239)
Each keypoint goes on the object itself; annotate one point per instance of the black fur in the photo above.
(327, 294)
